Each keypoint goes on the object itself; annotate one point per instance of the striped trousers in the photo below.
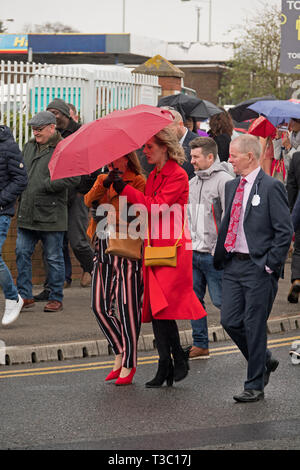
(117, 290)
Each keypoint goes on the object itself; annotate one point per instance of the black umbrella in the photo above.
(190, 106)
(184, 104)
(205, 109)
(240, 112)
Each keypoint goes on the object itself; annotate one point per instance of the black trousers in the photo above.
(248, 293)
(77, 226)
(295, 267)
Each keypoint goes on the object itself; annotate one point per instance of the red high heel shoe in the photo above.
(114, 374)
(126, 380)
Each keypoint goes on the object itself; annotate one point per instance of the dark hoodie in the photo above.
(13, 175)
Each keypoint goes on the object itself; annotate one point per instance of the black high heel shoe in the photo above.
(164, 372)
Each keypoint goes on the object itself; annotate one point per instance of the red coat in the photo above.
(169, 291)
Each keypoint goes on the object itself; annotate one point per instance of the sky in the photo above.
(168, 20)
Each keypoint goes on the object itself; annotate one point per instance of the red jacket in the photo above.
(168, 291)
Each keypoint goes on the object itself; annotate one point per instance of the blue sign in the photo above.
(67, 43)
(13, 43)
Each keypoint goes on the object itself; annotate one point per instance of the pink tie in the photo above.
(235, 216)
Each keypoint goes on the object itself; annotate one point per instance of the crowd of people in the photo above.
(230, 230)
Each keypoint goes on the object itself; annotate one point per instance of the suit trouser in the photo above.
(77, 226)
(295, 267)
(119, 283)
(248, 293)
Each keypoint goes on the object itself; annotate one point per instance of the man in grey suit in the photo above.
(253, 242)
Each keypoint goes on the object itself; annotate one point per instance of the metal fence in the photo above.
(26, 89)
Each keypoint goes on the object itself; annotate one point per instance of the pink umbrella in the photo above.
(100, 142)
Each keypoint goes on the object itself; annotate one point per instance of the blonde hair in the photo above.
(168, 138)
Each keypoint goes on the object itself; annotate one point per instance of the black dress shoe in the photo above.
(271, 366)
(42, 296)
(248, 396)
(294, 292)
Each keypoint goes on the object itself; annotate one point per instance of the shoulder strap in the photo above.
(178, 239)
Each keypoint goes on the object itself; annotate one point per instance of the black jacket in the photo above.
(293, 179)
(268, 226)
(13, 175)
(187, 166)
(72, 127)
(223, 143)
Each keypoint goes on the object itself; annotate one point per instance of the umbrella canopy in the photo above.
(240, 112)
(262, 128)
(102, 141)
(204, 110)
(277, 111)
(243, 124)
(190, 106)
(184, 104)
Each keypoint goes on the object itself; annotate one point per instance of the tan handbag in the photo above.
(125, 247)
(162, 255)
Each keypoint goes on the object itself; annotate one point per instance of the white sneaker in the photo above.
(12, 310)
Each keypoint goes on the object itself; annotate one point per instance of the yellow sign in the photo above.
(298, 27)
(21, 41)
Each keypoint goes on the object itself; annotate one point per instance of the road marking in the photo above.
(63, 369)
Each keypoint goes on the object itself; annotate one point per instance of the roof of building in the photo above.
(159, 66)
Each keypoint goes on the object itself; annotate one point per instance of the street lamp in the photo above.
(123, 23)
(198, 17)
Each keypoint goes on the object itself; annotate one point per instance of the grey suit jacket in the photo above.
(268, 226)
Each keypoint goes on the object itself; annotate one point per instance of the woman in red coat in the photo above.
(168, 291)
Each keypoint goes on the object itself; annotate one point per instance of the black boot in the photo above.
(164, 372)
(181, 362)
(181, 368)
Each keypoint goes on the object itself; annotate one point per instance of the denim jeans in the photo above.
(6, 280)
(67, 261)
(53, 252)
(204, 274)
